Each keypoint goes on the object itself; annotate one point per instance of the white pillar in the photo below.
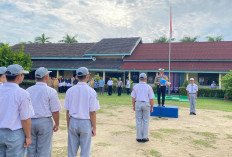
(129, 75)
(124, 78)
(57, 74)
(187, 76)
(220, 81)
(104, 75)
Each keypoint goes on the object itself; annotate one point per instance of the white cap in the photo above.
(142, 76)
(2, 70)
(41, 72)
(191, 79)
(82, 71)
(161, 69)
(15, 70)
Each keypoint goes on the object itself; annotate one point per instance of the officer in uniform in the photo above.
(192, 90)
(15, 114)
(142, 101)
(110, 86)
(119, 86)
(81, 104)
(161, 81)
(2, 75)
(46, 104)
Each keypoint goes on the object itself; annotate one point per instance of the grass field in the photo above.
(207, 134)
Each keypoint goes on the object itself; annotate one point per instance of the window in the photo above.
(207, 79)
(151, 77)
(135, 77)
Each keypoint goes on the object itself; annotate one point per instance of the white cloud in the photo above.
(93, 20)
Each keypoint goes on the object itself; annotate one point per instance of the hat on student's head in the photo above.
(82, 71)
(41, 72)
(191, 79)
(15, 70)
(2, 70)
(161, 69)
(142, 76)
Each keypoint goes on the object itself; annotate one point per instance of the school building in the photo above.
(127, 57)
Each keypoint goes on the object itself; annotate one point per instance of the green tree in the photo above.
(1, 44)
(69, 39)
(213, 39)
(227, 84)
(162, 39)
(8, 57)
(189, 39)
(97, 77)
(42, 39)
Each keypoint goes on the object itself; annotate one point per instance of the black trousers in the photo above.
(109, 90)
(119, 91)
(161, 90)
(128, 91)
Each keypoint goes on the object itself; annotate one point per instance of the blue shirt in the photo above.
(95, 85)
(101, 83)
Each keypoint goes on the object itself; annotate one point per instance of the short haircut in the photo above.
(10, 78)
(81, 78)
(142, 79)
(1, 75)
(40, 79)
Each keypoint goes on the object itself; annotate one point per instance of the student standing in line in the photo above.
(128, 86)
(2, 75)
(119, 86)
(192, 90)
(15, 114)
(81, 104)
(101, 86)
(142, 101)
(46, 104)
(110, 86)
(95, 85)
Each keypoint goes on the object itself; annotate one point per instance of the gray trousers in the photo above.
(101, 90)
(142, 114)
(192, 102)
(41, 137)
(12, 143)
(79, 134)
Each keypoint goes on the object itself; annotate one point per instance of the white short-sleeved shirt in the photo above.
(80, 100)
(128, 84)
(15, 105)
(142, 92)
(44, 100)
(1, 84)
(192, 88)
(110, 83)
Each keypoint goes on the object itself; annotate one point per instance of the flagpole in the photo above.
(169, 65)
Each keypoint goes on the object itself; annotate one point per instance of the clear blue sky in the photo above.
(92, 20)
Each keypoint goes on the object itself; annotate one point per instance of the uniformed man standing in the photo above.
(192, 90)
(110, 86)
(142, 101)
(119, 86)
(2, 75)
(46, 104)
(161, 81)
(128, 86)
(15, 114)
(81, 104)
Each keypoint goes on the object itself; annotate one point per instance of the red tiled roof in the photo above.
(183, 51)
(178, 66)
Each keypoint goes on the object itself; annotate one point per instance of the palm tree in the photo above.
(189, 39)
(212, 39)
(163, 39)
(42, 39)
(69, 39)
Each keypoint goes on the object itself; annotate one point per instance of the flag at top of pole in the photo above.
(170, 38)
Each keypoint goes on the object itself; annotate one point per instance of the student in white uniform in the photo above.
(81, 104)
(15, 114)
(46, 104)
(128, 86)
(192, 90)
(110, 86)
(142, 101)
(2, 75)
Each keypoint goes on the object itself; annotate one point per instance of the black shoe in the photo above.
(139, 140)
(194, 113)
(163, 106)
(159, 105)
(145, 140)
(191, 113)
